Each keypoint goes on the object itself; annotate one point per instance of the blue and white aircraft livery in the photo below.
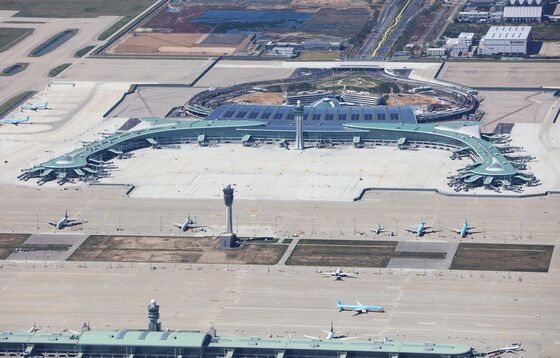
(422, 229)
(466, 230)
(15, 121)
(35, 106)
(358, 308)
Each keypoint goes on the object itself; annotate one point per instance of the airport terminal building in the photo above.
(323, 123)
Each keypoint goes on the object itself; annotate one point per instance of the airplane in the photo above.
(15, 121)
(65, 222)
(338, 274)
(422, 229)
(35, 106)
(187, 225)
(378, 229)
(516, 347)
(332, 335)
(358, 308)
(465, 230)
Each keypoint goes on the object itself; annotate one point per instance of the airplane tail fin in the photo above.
(66, 214)
(332, 326)
(338, 303)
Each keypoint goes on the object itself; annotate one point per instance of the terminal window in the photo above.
(278, 115)
(229, 114)
(355, 117)
(266, 115)
(381, 116)
(368, 117)
(342, 117)
(240, 114)
(394, 116)
(329, 117)
(316, 116)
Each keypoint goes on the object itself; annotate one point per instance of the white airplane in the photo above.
(332, 335)
(35, 106)
(65, 222)
(16, 121)
(422, 229)
(465, 230)
(378, 229)
(516, 347)
(338, 274)
(187, 225)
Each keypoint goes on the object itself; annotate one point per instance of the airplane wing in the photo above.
(74, 222)
(178, 225)
(358, 303)
(348, 276)
(358, 312)
(475, 232)
(411, 230)
(347, 338)
(311, 337)
(51, 223)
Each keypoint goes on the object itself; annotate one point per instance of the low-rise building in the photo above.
(522, 14)
(436, 51)
(510, 40)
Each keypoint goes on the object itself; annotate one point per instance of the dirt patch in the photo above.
(173, 249)
(8, 242)
(502, 257)
(337, 253)
(270, 98)
(410, 99)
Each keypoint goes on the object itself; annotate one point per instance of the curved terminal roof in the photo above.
(466, 136)
(493, 162)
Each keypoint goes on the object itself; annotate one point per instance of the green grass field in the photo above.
(11, 36)
(55, 71)
(82, 52)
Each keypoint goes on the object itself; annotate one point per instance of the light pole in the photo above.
(160, 223)
(37, 221)
(275, 223)
(354, 226)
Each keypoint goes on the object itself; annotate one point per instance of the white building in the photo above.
(512, 40)
(436, 51)
(465, 40)
(522, 14)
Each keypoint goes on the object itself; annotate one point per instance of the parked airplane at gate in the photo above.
(422, 229)
(65, 222)
(35, 106)
(15, 121)
(358, 308)
(332, 335)
(338, 274)
(465, 230)
(516, 347)
(187, 225)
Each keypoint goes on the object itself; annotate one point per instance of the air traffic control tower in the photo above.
(153, 317)
(298, 116)
(229, 240)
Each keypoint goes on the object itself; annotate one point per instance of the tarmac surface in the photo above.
(270, 172)
(501, 74)
(34, 77)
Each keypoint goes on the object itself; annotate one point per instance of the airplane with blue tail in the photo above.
(16, 121)
(466, 230)
(422, 229)
(35, 106)
(358, 308)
